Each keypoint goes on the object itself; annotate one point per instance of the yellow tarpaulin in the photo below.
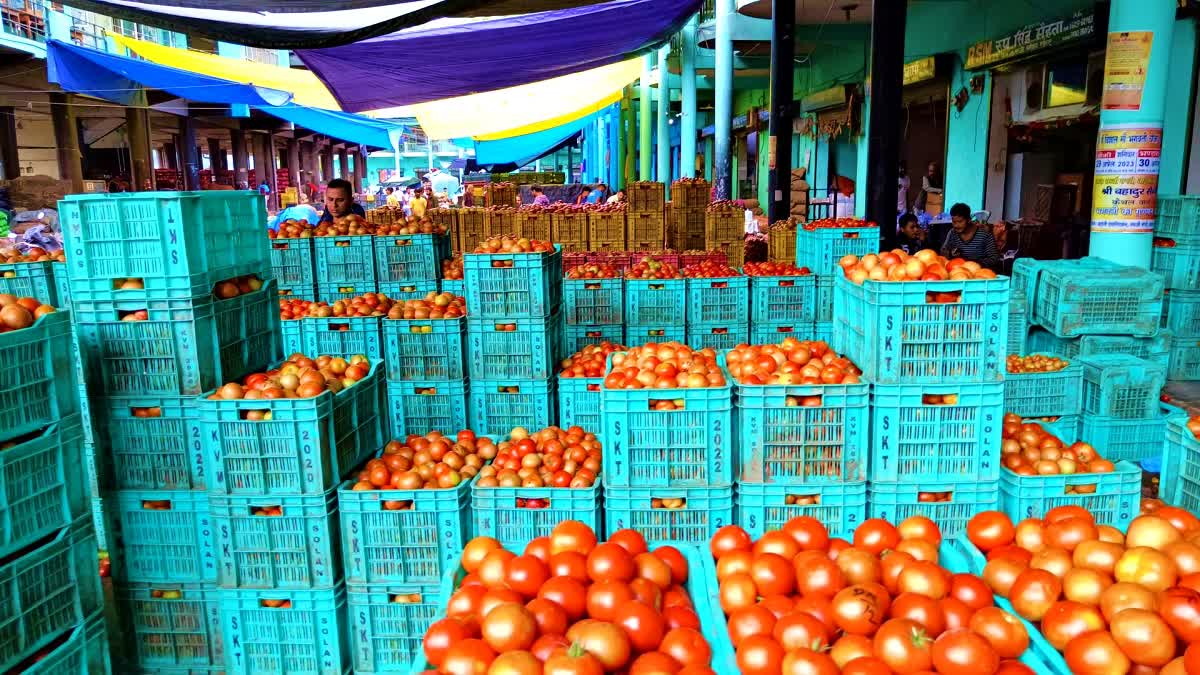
(305, 87)
(527, 108)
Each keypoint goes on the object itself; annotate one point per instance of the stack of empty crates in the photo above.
(514, 338)
(644, 219)
(1176, 255)
(151, 275)
(725, 231)
(685, 219)
(933, 352)
(819, 249)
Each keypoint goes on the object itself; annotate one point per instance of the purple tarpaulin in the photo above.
(453, 58)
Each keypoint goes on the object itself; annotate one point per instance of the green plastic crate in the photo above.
(579, 403)
(1178, 217)
(498, 406)
(655, 302)
(505, 514)
(510, 285)
(820, 248)
(723, 300)
(718, 336)
(1110, 300)
(1120, 385)
(1045, 394)
(590, 302)
(410, 257)
(894, 502)
(424, 349)
(345, 260)
(399, 291)
(30, 280)
(1114, 499)
(348, 336)
(1156, 349)
(1181, 313)
(309, 637)
(61, 284)
(331, 292)
(42, 485)
(420, 407)
(386, 635)
(783, 299)
(165, 536)
(762, 507)
(38, 384)
(172, 625)
(297, 549)
(292, 261)
(578, 337)
(514, 348)
(1179, 483)
(1185, 360)
(706, 510)
(1129, 439)
(1179, 265)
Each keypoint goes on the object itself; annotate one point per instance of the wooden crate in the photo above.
(723, 226)
(606, 231)
(645, 196)
(472, 227)
(447, 218)
(499, 221)
(644, 231)
(691, 195)
(570, 230)
(532, 224)
(501, 194)
(781, 243)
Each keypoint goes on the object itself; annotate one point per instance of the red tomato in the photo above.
(963, 652)
(674, 560)
(644, 626)
(687, 646)
(1003, 631)
(630, 540)
(760, 655)
(440, 635)
(876, 535)
(730, 538)
(743, 623)
(990, 530)
(904, 646)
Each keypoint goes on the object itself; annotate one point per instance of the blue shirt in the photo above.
(357, 210)
(595, 196)
(297, 212)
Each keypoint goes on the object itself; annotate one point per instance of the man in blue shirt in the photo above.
(598, 195)
(339, 201)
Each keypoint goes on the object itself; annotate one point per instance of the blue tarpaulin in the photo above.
(521, 150)
(343, 126)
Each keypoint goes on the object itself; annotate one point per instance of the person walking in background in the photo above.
(969, 241)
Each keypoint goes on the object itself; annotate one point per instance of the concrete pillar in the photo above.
(1132, 110)
(779, 143)
(884, 117)
(189, 165)
(723, 101)
(170, 154)
(664, 113)
(241, 158)
(66, 137)
(344, 163)
(137, 131)
(293, 164)
(327, 163)
(644, 119)
(687, 118)
(10, 165)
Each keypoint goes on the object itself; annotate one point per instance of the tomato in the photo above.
(920, 527)
(891, 563)
(924, 578)
(440, 635)
(990, 530)
(760, 655)
(859, 566)
(574, 660)
(545, 646)
(1191, 658)
(1180, 519)
(920, 609)
(1066, 619)
(1096, 653)
(1012, 552)
(653, 569)
(493, 570)
(756, 620)
(476, 550)
(798, 629)
(1030, 535)
(1033, 592)
(850, 647)
(820, 608)
(1180, 608)
(515, 663)
(509, 627)
(467, 657)
(963, 652)
(1147, 567)
(1122, 596)
(675, 561)
(568, 593)
(1070, 532)
(572, 535)
(526, 574)
(1014, 668)
(918, 549)
(1101, 556)
(539, 548)
(772, 574)
(1003, 631)
(1053, 559)
(465, 601)
(778, 605)
(1151, 531)
(733, 563)
(653, 663)
(730, 538)
(610, 562)
(876, 535)
(1064, 512)
(956, 612)
(606, 641)
(605, 597)
(810, 534)
(687, 646)
(737, 592)
(680, 616)
(644, 626)
(493, 599)
(808, 662)
(631, 540)
(777, 542)
(569, 564)
(815, 574)
(904, 646)
(1144, 637)
(971, 590)
(859, 609)
(551, 619)
(1086, 586)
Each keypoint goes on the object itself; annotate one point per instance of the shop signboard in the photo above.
(1031, 39)
(1125, 187)
(920, 70)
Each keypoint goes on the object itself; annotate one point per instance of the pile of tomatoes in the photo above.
(1034, 363)
(589, 361)
(653, 268)
(32, 254)
(1027, 449)
(570, 606)
(452, 268)
(774, 269)
(232, 288)
(552, 457)
(298, 377)
(430, 462)
(709, 269)
(594, 271)
(1111, 603)
(924, 265)
(665, 365)
(798, 601)
(292, 229)
(367, 304)
(352, 225)
(410, 225)
(824, 223)
(1193, 425)
(724, 206)
(433, 306)
(512, 244)
(17, 313)
(790, 362)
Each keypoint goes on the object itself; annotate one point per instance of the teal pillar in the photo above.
(618, 158)
(1130, 137)
(664, 112)
(687, 117)
(645, 113)
(723, 101)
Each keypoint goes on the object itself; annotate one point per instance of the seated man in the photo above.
(339, 201)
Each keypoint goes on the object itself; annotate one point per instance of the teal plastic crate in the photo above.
(424, 349)
(1178, 217)
(388, 623)
(410, 257)
(172, 625)
(820, 249)
(308, 634)
(46, 589)
(721, 300)
(1045, 394)
(505, 514)
(455, 286)
(1179, 265)
(166, 536)
(1185, 360)
(306, 446)
(509, 285)
(1181, 313)
(172, 241)
(1065, 428)
(414, 544)
(38, 384)
(334, 291)
(1113, 498)
(346, 336)
(578, 337)
(345, 260)
(61, 284)
(1129, 439)
(717, 336)
(292, 261)
(399, 291)
(99, 651)
(782, 443)
(1179, 483)
(292, 334)
(248, 332)
(825, 286)
(772, 333)
(691, 445)
(785, 299)
(655, 302)
(30, 280)
(639, 335)
(499, 406)
(592, 302)
(894, 502)
(1156, 349)
(301, 291)
(43, 487)
(1018, 322)
(579, 403)
(296, 549)
(762, 507)
(900, 333)
(1120, 385)
(514, 348)
(65, 655)
(913, 440)
(1081, 300)
(823, 331)
(415, 407)
(705, 510)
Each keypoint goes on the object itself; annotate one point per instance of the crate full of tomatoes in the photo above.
(509, 277)
(424, 339)
(781, 293)
(410, 251)
(655, 294)
(580, 378)
(820, 244)
(593, 294)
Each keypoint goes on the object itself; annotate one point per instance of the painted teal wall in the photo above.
(1178, 107)
(967, 144)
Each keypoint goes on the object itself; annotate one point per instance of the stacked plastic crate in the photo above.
(645, 227)
(345, 266)
(173, 296)
(718, 307)
(1176, 255)
(819, 246)
(514, 338)
(655, 303)
(934, 354)
(782, 306)
(593, 307)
